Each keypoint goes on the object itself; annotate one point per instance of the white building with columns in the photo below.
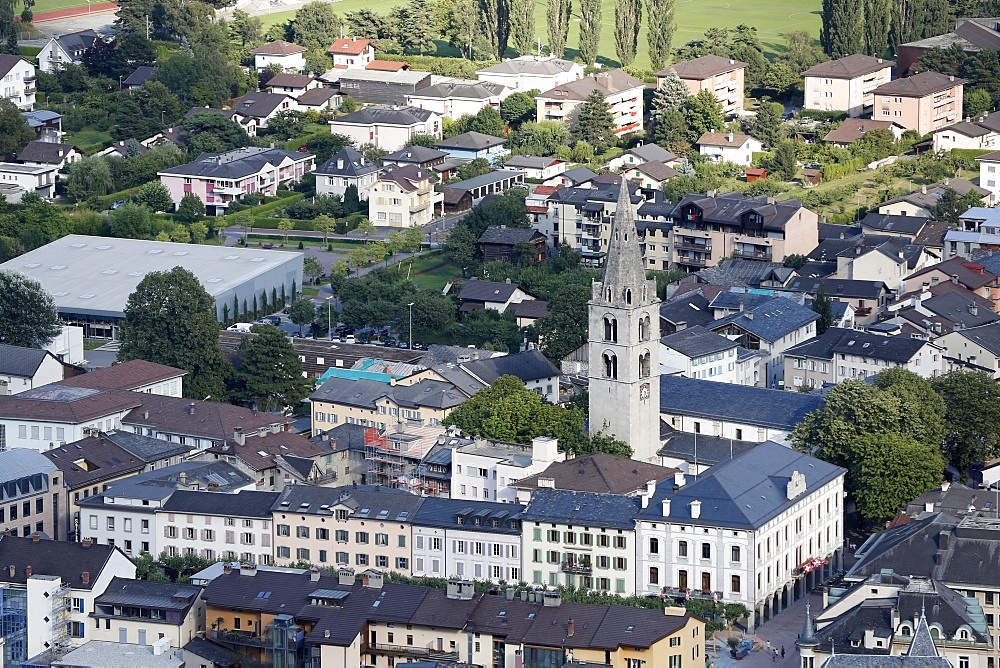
(762, 529)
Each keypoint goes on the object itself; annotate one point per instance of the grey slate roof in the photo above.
(444, 513)
(149, 594)
(247, 503)
(365, 501)
(7, 63)
(140, 76)
(415, 155)
(771, 320)
(701, 448)
(528, 365)
(884, 222)
(744, 492)
(354, 164)
(507, 235)
(839, 287)
(364, 393)
(898, 349)
(471, 141)
(578, 175)
(757, 406)
(739, 272)
(161, 483)
(738, 301)
(652, 153)
(387, 116)
(696, 341)
(221, 657)
(146, 448)
(65, 559)
(487, 291)
(690, 309)
(729, 209)
(75, 43)
(234, 164)
(959, 310)
(529, 162)
(559, 506)
(832, 231)
(987, 336)
(44, 152)
(21, 362)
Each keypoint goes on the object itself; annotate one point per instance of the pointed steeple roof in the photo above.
(808, 635)
(623, 267)
(923, 642)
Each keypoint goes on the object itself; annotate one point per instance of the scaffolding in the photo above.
(14, 624)
(59, 618)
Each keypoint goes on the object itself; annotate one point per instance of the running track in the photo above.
(72, 12)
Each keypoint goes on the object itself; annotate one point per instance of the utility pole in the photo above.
(147, 26)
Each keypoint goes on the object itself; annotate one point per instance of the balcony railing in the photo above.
(684, 592)
(578, 567)
(695, 261)
(410, 651)
(753, 254)
(687, 245)
(243, 638)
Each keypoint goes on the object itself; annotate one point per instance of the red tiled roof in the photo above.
(387, 65)
(350, 46)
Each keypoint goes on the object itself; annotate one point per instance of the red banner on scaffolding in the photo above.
(374, 437)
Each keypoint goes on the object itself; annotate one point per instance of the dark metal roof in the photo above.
(149, 594)
(67, 560)
(611, 511)
(221, 657)
(759, 406)
(771, 320)
(439, 512)
(696, 341)
(22, 362)
(247, 503)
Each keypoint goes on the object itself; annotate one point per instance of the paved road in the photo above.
(780, 631)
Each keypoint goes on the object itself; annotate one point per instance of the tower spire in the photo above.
(624, 281)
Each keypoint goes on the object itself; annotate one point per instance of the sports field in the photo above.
(43, 6)
(772, 18)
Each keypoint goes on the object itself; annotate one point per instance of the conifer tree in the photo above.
(594, 123)
(660, 28)
(522, 25)
(843, 27)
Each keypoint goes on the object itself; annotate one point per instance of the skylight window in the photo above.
(31, 265)
(155, 251)
(110, 271)
(78, 245)
(86, 295)
(232, 257)
(103, 247)
(256, 259)
(58, 266)
(135, 273)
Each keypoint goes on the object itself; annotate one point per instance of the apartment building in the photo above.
(846, 84)
(17, 81)
(923, 102)
(486, 470)
(374, 403)
(143, 611)
(622, 91)
(722, 77)
(216, 526)
(403, 197)
(344, 169)
(32, 491)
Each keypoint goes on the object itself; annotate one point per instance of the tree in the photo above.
(557, 25)
(783, 162)
(517, 108)
(703, 113)
(131, 221)
(660, 27)
(780, 78)
(14, 131)
(950, 206)
(90, 177)
(522, 25)
(564, 329)
(457, 21)
(487, 121)
(212, 133)
(286, 225)
(976, 103)
(302, 312)
(843, 27)
(199, 232)
(413, 26)
(311, 268)
(154, 196)
(890, 470)
(628, 18)
(767, 125)
(824, 307)
(270, 373)
(315, 25)
(594, 122)
(922, 409)
(590, 30)
(413, 237)
(28, 316)
(170, 319)
(971, 417)
(878, 26)
(541, 138)
(494, 19)
(191, 208)
(477, 167)
(800, 53)
(247, 30)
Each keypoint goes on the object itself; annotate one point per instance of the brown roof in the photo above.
(278, 48)
(970, 274)
(702, 68)
(848, 67)
(657, 170)
(72, 405)
(261, 452)
(854, 129)
(289, 80)
(125, 376)
(932, 233)
(202, 419)
(599, 472)
(919, 85)
(720, 139)
(609, 83)
(350, 46)
(316, 96)
(387, 65)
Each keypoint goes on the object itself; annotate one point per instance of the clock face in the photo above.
(644, 391)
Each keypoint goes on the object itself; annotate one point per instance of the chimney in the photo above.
(182, 479)
(239, 436)
(951, 77)
(27, 571)
(749, 315)
(974, 309)
(695, 509)
(227, 569)
(345, 576)
(570, 628)
(731, 138)
(313, 574)
(85, 577)
(732, 62)
(35, 538)
(87, 542)
(869, 637)
(945, 486)
(929, 507)
(954, 279)
(191, 408)
(665, 507)
(923, 190)
(248, 569)
(679, 478)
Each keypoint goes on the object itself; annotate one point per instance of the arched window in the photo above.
(610, 365)
(963, 635)
(644, 328)
(644, 360)
(610, 329)
(607, 295)
(904, 630)
(735, 556)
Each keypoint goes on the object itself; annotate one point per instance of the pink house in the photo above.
(218, 179)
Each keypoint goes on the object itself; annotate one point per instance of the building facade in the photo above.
(722, 77)
(923, 102)
(846, 84)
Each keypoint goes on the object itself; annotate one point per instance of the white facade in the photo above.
(68, 345)
(738, 154)
(386, 136)
(625, 107)
(738, 431)
(455, 106)
(989, 173)
(722, 367)
(245, 539)
(49, 371)
(292, 62)
(40, 434)
(30, 178)
(594, 558)
(18, 85)
(532, 73)
(484, 471)
(443, 553)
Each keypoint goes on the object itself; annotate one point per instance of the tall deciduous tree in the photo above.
(843, 27)
(170, 319)
(628, 18)
(522, 25)
(302, 311)
(878, 25)
(557, 20)
(971, 417)
(494, 18)
(28, 316)
(703, 113)
(316, 25)
(594, 123)
(660, 27)
(590, 30)
(14, 131)
(270, 372)
(90, 177)
(890, 470)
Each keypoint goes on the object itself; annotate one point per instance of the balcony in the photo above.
(692, 261)
(577, 567)
(30, 90)
(685, 593)
(242, 638)
(409, 651)
(753, 253)
(691, 246)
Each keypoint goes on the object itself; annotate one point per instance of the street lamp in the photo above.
(410, 306)
(119, 82)
(329, 330)
(162, 111)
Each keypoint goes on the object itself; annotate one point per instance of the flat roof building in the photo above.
(90, 278)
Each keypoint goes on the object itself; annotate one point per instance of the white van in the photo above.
(241, 327)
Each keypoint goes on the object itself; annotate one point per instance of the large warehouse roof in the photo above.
(96, 275)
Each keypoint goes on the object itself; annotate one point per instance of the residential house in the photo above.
(846, 84)
(374, 403)
(762, 529)
(868, 257)
(287, 55)
(622, 91)
(923, 102)
(709, 228)
(989, 165)
(294, 85)
(467, 538)
(695, 352)
(850, 354)
(65, 49)
(46, 124)
(403, 197)
(218, 179)
(926, 314)
(644, 152)
(49, 588)
(580, 539)
(18, 179)
(978, 231)
(528, 73)
(388, 128)
(26, 368)
(478, 187)
(923, 201)
(380, 86)
(903, 227)
(48, 154)
(853, 129)
(455, 98)
(363, 526)
(203, 652)
(352, 53)
(572, 178)
(531, 367)
(319, 100)
(982, 133)
(91, 465)
(501, 243)
(387, 66)
(686, 310)
(735, 148)
(125, 514)
(971, 35)
(595, 472)
(256, 109)
(143, 611)
(140, 76)
(18, 81)
(650, 175)
(867, 297)
(348, 167)
(216, 526)
(347, 459)
(723, 77)
(29, 483)
(472, 145)
(486, 470)
(393, 456)
(417, 156)
(133, 376)
(273, 457)
(959, 271)
(477, 294)
(534, 167)
(977, 348)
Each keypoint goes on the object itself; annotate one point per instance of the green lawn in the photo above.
(89, 141)
(42, 6)
(425, 271)
(772, 18)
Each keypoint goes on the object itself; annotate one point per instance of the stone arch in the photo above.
(609, 364)
(610, 328)
(644, 324)
(644, 364)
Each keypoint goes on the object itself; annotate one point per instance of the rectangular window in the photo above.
(283, 530)
(302, 554)
(361, 537)
(382, 539)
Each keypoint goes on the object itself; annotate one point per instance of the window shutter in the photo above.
(166, 531)
(420, 542)
(265, 540)
(230, 537)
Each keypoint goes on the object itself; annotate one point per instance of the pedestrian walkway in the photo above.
(782, 631)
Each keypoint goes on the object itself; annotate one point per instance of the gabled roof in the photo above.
(246, 503)
(839, 287)
(509, 235)
(221, 657)
(758, 406)
(173, 596)
(76, 42)
(92, 460)
(364, 393)
(970, 274)
(140, 76)
(883, 222)
(771, 320)
(986, 336)
(656, 170)
(530, 162)
(236, 164)
(351, 46)
(899, 349)
(278, 48)
(600, 473)
(347, 162)
(471, 141)
(854, 129)
(259, 105)
(203, 419)
(145, 448)
(67, 560)
(578, 175)
(703, 67)
(559, 506)
(129, 375)
(487, 291)
(288, 80)
(532, 66)
(848, 67)
(315, 97)
(696, 341)
(440, 512)
(528, 365)
(9, 62)
(732, 140)
(21, 362)
(416, 155)
(386, 116)
(651, 153)
(461, 90)
(919, 85)
(46, 153)
(608, 83)
(729, 208)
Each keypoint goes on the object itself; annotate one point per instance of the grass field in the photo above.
(772, 18)
(42, 6)
(425, 271)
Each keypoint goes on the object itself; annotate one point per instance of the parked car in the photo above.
(390, 342)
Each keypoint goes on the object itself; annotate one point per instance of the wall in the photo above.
(41, 435)
(483, 553)
(109, 629)
(293, 63)
(215, 537)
